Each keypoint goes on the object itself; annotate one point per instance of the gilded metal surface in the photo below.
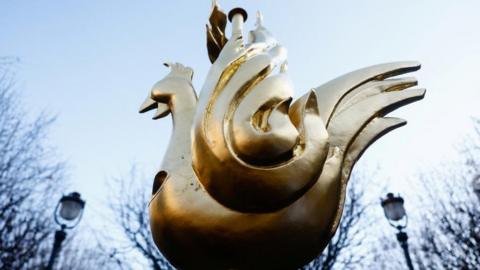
(252, 180)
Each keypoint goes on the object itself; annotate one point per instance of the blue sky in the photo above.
(92, 63)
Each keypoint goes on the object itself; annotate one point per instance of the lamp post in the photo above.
(67, 215)
(397, 218)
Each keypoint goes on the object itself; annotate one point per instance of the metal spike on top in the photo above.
(259, 22)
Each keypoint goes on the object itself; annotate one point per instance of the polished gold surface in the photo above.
(252, 180)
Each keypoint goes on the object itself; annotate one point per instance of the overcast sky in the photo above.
(92, 63)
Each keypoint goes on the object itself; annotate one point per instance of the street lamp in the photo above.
(67, 215)
(397, 217)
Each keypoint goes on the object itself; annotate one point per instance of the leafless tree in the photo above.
(448, 234)
(129, 203)
(471, 149)
(340, 253)
(81, 255)
(31, 181)
(29, 174)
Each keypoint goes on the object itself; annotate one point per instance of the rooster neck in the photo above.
(179, 151)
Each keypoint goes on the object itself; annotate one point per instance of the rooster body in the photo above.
(251, 180)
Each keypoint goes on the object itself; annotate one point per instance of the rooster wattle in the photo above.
(251, 180)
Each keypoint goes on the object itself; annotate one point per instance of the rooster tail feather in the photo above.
(374, 88)
(345, 126)
(373, 131)
(332, 93)
(354, 106)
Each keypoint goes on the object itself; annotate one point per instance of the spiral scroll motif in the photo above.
(249, 142)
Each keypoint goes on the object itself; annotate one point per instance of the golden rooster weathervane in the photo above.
(252, 180)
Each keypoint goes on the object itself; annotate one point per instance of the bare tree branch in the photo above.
(29, 176)
(129, 204)
(448, 234)
(339, 254)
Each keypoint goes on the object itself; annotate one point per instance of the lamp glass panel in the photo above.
(394, 210)
(70, 210)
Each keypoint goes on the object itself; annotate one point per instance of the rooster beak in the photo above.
(162, 110)
(150, 104)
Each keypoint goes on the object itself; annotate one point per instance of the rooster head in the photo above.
(165, 90)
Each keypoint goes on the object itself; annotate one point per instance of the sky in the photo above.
(92, 63)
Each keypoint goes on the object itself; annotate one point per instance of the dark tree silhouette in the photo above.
(339, 254)
(31, 182)
(29, 175)
(129, 204)
(78, 255)
(448, 234)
